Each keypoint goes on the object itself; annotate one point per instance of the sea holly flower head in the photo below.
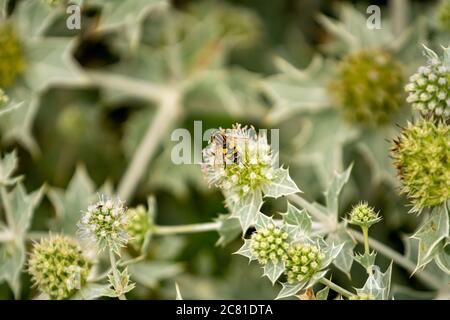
(269, 243)
(428, 89)
(304, 260)
(12, 59)
(105, 222)
(422, 158)
(368, 87)
(238, 161)
(58, 266)
(138, 225)
(363, 215)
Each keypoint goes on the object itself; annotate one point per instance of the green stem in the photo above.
(188, 228)
(365, 231)
(333, 286)
(116, 275)
(6, 207)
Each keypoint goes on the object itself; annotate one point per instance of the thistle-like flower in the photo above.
(238, 161)
(422, 158)
(368, 87)
(105, 223)
(443, 15)
(4, 99)
(58, 267)
(138, 226)
(429, 91)
(269, 244)
(12, 59)
(304, 260)
(363, 215)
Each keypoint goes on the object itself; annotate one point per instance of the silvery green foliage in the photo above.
(378, 284)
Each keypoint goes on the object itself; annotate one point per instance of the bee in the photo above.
(226, 147)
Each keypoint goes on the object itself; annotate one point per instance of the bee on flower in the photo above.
(238, 161)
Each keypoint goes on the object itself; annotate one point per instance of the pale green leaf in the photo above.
(70, 203)
(289, 290)
(299, 218)
(150, 274)
(433, 230)
(245, 250)
(443, 258)
(12, 259)
(334, 190)
(92, 291)
(263, 221)
(282, 185)
(378, 284)
(344, 260)
(273, 270)
(7, 166)
(322, 294)
(247, 208)
(229, 230)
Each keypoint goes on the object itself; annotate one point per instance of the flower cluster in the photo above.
(12, 60)
(363, 215)
(138, 226)
(58, 267)
(368, 87)
(304, 260)
(443, 15)
(105, 222)
(429, 91)
(422, 158)
(269, 244)
(4, 99)
(238, 161)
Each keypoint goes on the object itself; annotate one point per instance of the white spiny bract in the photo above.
(429, 91)
(253, 169)
(105, 223)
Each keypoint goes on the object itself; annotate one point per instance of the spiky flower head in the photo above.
(4, 99)
(443, 15)
(368, 87)
(363, 296)
(105, 222)
(269, 244)
(58, 266)
(12, 59)
(422, 158)
(429, 89)
(138, 226)
(363, 215)
(304, 260)
(238, 161)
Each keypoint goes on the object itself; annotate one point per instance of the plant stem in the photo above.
(167, 114)
(6, 207)
(402, 261)
(116, 274)
(365, 231)
(336, 288)
(188, 228)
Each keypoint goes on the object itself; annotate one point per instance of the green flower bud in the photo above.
(368, 87)
(429, 91)
(261, 249)
(58, 267)
(139, 225)
(105, 223)
(422, 158)
(363, 215)
(443, 15)
(301, 264)
(12, 60)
